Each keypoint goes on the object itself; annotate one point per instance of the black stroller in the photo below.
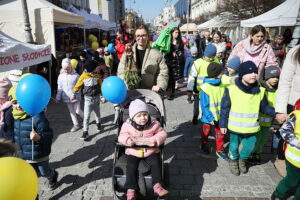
(156, 110)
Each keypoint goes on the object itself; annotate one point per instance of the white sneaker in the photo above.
(75, 128)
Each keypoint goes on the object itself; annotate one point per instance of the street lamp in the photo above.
(28, 35)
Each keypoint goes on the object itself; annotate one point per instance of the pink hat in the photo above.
(5, 85)
(137, 106)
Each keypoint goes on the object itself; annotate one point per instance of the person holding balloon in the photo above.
(32, 132)
(91, 82)
(66, 81)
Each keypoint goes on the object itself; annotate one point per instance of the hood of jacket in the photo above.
(214, 82)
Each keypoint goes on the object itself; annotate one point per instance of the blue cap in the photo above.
(210, 50)
(234, 63)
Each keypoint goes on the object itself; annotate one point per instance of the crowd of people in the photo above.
(249, 91)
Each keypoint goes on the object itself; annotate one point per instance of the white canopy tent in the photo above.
(191, 27)
(283, 15)
(43, 16)
(225, 19)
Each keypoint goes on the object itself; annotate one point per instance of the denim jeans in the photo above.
(43, 169)
(91, 104)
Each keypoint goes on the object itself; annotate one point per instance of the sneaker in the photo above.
(75, 128)
(85, 135)
(205, 149)
(131, 195)
(222, 155)
(159, 190)
(195, 120)
(98, 126)
(234, 167)
(53, 181)
(189, 100)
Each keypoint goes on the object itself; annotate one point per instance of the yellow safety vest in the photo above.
(215, 94)
(226, 80)
(292, 153)
(244, 111)
(201, 67)
(266, 120)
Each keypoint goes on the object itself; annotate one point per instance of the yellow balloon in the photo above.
(74, 63)
(92, 37)
(26, 74)
(18, 179)
(104, 42)
(95, 45)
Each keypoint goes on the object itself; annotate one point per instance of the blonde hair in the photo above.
(7, 148)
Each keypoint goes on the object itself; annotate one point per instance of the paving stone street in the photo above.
(85, 168)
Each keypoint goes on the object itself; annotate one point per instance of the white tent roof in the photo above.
(190, 26)
(42, 15)
(16, 55)
(225, 19)
(283, 15)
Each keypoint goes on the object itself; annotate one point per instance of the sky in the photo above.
(148, 8)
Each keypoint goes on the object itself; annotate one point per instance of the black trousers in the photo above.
(131, 170)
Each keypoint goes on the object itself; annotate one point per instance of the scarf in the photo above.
(252, 49)
(140, 127)
(19, 114)
(249, 89)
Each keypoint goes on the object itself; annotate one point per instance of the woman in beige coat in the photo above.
(150, 63)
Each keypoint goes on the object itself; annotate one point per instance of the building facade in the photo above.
(181, 8)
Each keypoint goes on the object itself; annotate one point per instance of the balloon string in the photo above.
(32, 143)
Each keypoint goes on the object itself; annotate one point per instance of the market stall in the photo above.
(43, 17)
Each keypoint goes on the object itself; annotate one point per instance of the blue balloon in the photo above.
(114, 89)
(111, 47)
(33, 94)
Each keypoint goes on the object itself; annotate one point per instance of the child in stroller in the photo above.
(141, 129)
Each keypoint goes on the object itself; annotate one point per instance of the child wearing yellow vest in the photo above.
(240, 108)
(210, 100)
(270, 83)
(198, 73)
(290, 132)
(232, 71)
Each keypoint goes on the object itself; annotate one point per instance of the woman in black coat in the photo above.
(175, 61)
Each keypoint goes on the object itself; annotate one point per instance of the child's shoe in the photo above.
(53, 181)
(189, 100)
(98, 126)
(234, 167)
(222, 155)
(159, 190)
(205, 149)
(242, 166)
(75, 128)
(131, 195)
(84, 136)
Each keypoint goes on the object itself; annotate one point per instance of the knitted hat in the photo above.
(271, 72)
(247, 67)
(137, 106)
(194, 50)
(210, 50)
(5, 85)
(234, 63)
(214, 70)
(90, 65)
(66, 62)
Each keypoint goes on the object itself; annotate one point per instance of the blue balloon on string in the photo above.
(111, 47)
(33, 94)
(114, 89)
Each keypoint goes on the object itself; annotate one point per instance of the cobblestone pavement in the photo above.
(85, 168)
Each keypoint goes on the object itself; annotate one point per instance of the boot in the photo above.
(242, 166)
(280, 166)
(234, 167)
(159, 190)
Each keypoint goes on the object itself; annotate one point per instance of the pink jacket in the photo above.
(264, 58)
(3, 107)
(154, 132)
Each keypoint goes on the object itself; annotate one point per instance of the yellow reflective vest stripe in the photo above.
(292, 153)
(266, 120)
(244, 111)
(201, 67)
(215, 94)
